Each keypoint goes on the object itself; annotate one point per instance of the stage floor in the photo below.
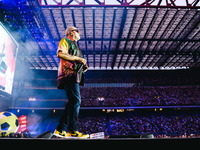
(192, 142)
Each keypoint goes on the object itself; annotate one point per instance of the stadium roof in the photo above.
(115, 34)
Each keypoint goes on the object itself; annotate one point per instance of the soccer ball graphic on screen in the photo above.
(8, 123)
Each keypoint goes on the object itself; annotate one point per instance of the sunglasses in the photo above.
(75, 30)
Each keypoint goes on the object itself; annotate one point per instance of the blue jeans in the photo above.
(69, 119)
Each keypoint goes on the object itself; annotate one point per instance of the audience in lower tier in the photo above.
(160, 124)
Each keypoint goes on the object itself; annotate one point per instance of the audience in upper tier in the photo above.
(137, 96)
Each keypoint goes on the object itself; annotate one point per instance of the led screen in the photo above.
(8, 53)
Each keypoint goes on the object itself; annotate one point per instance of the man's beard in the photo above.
(76, 36)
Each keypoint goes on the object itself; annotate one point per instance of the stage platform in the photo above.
(122, 142)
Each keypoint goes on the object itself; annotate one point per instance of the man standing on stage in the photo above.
(70, 75)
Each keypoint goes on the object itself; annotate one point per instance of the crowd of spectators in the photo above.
(93, 124)
(162, 124)
(159, 124)
(119, 125)
(137, 96)
(171, 125)
(149, 89)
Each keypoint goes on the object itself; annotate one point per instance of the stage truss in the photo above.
(126, 34)
(124, 3)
